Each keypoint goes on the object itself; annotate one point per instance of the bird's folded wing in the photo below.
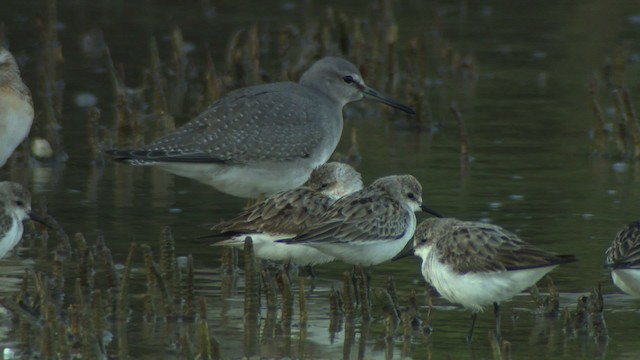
(351, 219)
(624, 251)
(290, 212)
(234, 130)
(475, 247)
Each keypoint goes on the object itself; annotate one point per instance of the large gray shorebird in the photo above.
(263, 139)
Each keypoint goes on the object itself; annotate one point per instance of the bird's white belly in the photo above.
(628, 280)
(245, 181)
(11, 238)
(363, 253)
(476, 290)
(266, 247)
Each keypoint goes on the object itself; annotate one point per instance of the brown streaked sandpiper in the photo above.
(477, 264)
(287, 214)
(369, 226)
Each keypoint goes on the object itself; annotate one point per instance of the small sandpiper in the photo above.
(287, 214)
(369, 226)
(16, 106)
(15, 207)
(477, 264)
(263, 139)
(623, 258)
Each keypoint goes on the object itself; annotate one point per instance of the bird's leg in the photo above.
(496, 313)
(368, 272)
(363, 288)
(310, 271)
(354, 280)
(289, 268)
(312, 275)
(473, 323)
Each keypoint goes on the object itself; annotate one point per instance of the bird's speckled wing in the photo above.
(234, 130)
(358, 217)
(289, 212)
(477, 247)
(624, 251)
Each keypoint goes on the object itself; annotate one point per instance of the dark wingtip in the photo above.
(149, 156)
(208, 237)
(553, 260)
(215, 238)
(119, 155)
(567, 258)
(622, 264)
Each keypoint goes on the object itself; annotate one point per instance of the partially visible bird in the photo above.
(16, 106)
(623, 258)
(15, 207)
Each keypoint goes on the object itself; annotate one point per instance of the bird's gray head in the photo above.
(429, 230)
(341, 81)
(406, 188)
(15, 199)
(335, 180)
(336, 78)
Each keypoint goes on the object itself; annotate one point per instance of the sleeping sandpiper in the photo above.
(623, 258)
(15, 207)
(477, 264)
(287, 214)
(263, 139)
(16, 106)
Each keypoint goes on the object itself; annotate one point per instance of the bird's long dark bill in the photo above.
(403, 255)
(37, 218)
(427, 210)
(374, 95)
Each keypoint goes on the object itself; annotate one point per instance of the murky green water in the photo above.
(528, 117)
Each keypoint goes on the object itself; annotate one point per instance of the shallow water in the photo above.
(528, 117)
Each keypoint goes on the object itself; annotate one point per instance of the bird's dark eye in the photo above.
(411, 196)
(19, 203)
(348, 79)
(324, 186)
